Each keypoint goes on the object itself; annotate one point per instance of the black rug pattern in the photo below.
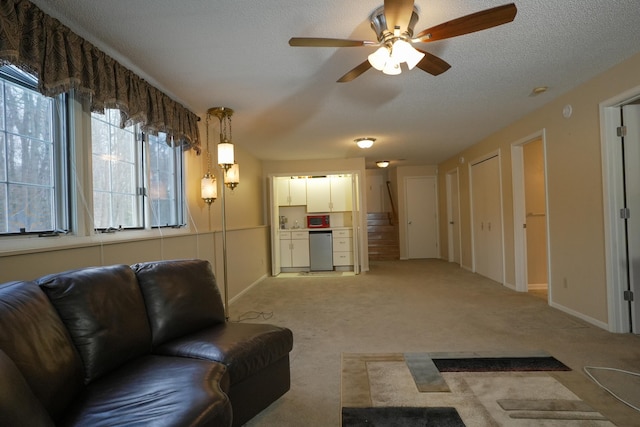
(401, 417)
(500, 364)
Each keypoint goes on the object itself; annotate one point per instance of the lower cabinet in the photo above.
(342, 248)
(294, 249)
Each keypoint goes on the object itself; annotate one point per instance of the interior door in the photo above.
(275, 226)
(374, 193)
(487, 218)
(631, 171)
(453, 216)
(535, 208)
(422, 231)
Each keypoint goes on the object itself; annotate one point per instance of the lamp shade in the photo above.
(365, 142)
(404, 52)
(233, 175)
(225, 153)
(392, 67)
(208, 188)
(379, 58)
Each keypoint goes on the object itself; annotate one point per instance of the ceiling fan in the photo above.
(393, 24)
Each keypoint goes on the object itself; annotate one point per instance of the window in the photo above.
(32, 157)
(123, 175)
(165, 182)
(117, 202)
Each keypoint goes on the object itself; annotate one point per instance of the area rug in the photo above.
(483, 389)
(402, 416)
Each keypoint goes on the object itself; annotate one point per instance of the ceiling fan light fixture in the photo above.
(365, 142)
(379, 58)
(392, 67)
(402, 51)
(382, 163)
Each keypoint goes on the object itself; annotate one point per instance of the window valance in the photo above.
(62, 60)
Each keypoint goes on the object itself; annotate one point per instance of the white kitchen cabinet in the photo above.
(292, 191)
(342, 248)
(294, 249)
(319, 194)
(341, 194)
(329, 194)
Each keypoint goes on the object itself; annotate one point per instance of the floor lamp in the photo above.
(231, 175)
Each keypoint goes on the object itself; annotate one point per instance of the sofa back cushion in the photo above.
(18, 405)
(34, 337)
(181, 297)
(103, 309)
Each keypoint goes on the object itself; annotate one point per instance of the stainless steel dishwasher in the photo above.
(321, 250)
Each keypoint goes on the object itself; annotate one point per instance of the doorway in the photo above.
(422, 217)
(486, 213)
(453, 216)
(530, 214)
(620, 123)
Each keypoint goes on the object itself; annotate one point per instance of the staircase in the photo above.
(383, 237)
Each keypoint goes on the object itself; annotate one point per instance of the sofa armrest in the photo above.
(18, 405)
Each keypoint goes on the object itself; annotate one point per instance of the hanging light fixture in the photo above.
(232, 177)
(225, 146)
(382, 163)
(208, 184)
(366, 142)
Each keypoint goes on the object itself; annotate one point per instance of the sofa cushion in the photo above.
(181, 297)
(103, 309)
(18, 405)
(244, 348)
(34, 337)
(156, 391)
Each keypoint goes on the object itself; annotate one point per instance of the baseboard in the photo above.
(510, 286)
(581, 316)
(245, 290)
(537, 286)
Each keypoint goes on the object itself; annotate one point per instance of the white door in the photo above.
(631, 171)
(275, 226)
(453, 216)
(487, 218)
(374, 193)
(422, 231)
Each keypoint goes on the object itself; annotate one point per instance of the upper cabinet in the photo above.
(329, 194)
(341, 195)
(292, 191)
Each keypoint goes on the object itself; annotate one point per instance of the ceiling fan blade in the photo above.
(355, 72)
(470, 23)
(432, 64)
(324, 42)
(398, 13)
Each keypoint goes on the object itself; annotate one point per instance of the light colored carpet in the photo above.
(519, 399)
(423, 306)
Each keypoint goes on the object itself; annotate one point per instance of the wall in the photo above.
(575, 196)
(247, 236)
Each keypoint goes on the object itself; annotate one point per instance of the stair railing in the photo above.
(393, 208)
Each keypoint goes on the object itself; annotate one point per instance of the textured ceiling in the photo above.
(288, 106)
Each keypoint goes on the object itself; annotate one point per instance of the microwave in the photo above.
(318, 221)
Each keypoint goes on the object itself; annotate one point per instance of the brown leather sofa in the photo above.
(137, 345)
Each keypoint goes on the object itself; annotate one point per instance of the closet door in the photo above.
(487, 219)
